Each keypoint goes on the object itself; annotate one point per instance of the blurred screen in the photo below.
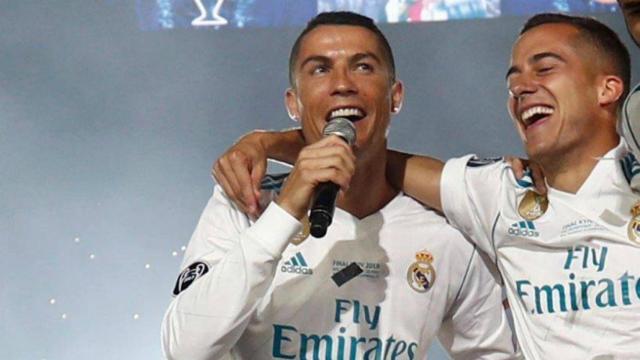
(219, 14)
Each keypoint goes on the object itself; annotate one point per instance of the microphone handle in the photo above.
(324, 204)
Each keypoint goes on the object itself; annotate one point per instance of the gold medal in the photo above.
(533, 205)
(633, 230)
(421, 275)
(302, 234)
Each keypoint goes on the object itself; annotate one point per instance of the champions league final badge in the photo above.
(189, 275)
(634, 224)
(533, 205)
(421, 275)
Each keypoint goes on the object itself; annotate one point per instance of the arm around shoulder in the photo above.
(417, 175)
(282, 145)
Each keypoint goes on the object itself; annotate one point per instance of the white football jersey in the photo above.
(382, 287)
(572, 275)
(630, 121)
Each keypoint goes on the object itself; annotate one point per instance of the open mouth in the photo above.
(535, 114)
(352, 114)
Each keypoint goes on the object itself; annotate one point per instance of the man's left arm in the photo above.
(417, 175)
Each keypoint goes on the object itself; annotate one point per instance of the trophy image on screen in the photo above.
(205, 6)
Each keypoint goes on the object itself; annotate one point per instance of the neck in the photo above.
(569, 171)
(369, 190)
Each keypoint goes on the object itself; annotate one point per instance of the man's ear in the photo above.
(610, 90)
(291, 103)
(397, 97)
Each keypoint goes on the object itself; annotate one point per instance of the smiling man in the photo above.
(570, 260)
(388, 277)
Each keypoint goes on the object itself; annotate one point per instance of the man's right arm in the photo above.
(228, 268)
(230, 264)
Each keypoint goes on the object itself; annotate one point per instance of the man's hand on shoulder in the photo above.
(240, 170)
(519, 166)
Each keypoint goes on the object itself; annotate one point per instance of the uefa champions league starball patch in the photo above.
(421, 274)
(533, 205)
(633, 230)
(189, 275)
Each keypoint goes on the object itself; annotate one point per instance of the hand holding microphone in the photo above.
(320, 171)
(324, 199)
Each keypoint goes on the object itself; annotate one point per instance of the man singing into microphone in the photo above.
(388, 277)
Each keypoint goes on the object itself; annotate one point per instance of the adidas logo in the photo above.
(297, 264)
(523, 228)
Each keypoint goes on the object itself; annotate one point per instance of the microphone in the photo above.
(324, 198)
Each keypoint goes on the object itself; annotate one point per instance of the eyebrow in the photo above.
(314, 58)
(325, 59)
(359, 56)
(534, 59)
(544, 55)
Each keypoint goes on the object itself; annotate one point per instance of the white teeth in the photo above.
(536, 110)
(345, 112)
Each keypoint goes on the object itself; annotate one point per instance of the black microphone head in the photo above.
(321, 214)
(342, 127)
(318, 231)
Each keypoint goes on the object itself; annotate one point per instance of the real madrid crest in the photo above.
(421, 275)
(533, 205)
(634, 224)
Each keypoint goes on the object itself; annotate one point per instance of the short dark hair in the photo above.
(342, 18)
(598, 35)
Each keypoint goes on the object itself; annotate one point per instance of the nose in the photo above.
(343, 83)
(521, 86)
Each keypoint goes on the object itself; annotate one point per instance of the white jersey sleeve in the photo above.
(476, 327)
(228, 267)
(470, 190)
